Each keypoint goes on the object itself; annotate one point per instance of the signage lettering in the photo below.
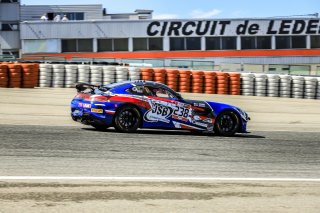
(234, 27)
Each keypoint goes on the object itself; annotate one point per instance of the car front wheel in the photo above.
(227, 123)
(127, 119)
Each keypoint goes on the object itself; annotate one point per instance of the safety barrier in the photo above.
(29, 75)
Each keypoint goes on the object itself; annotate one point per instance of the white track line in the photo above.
(157, 178)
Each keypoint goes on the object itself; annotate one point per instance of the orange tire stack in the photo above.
(36, 74)
(235, 83)
(222, 83)
(146, 74)
(159, 75)
(184, 80)
(14, 75)
(210, 82)
(28, 75)
(4, 78)
(197, 81)
(172, 79)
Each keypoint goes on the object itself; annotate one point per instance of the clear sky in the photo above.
(201, 8)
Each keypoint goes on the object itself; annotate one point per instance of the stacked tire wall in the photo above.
(30, 75)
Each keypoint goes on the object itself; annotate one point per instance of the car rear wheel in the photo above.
(127, 119)
(227, 123)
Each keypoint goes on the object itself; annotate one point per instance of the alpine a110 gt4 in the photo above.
(130, 105)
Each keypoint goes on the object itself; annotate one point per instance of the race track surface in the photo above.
(84, 151)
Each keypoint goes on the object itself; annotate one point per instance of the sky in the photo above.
(185, 9)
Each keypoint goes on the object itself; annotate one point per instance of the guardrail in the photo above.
(29, 75)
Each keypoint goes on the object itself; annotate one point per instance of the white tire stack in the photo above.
(260, 84)
(247, 86)
(58, 75)
(71, 75)
(134, 73)
(96, 75)
(122, 73)
(109, 74)
(285, 86)
(297, 86)
(45, 75)
(83, 73)
(273, 85)
(318, 88)
(310, 87)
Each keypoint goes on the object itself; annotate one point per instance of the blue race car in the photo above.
(130, 105)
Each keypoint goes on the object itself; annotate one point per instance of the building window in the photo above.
(177, 44)
(255, 42)
(189, 43)
(146, 44)
(140, 44)
(213, 43)
(228, 43)
(9, 26)
(120, 44)
(155, 43)
(77, 45)
(110, 45)
(315, 41)
(105, 45)
(71, 16)
(290, 42)
(193, 43)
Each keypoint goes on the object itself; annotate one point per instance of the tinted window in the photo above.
(213, 43)
(315, 41)
(263, 42)
(69, 45)
(140, 44)
(104, 45)
(248, 43)
(177, 44)
(283, 42)
(155, 44)
(299, 42)
(229, 43)
(120, 44)
(193, 43)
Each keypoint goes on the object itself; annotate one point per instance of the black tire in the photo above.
(227, 124)
(127, 119)
(100, 127)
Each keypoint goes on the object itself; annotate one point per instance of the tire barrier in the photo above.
(45, 75)
(260, 84)
(134, 73)
(146, 74)
(109, 76)
(83, 73)
(234, 83)
(210, 82)
(159, 75)
(273, 85)
(197, 81)
(58, 73)
(310, 87)
(4, 76)
(285, 86)
(122, 73)
(184, 81)
(71, 75)
(172, 79)
(297, 86)
(247, 84)
(29, 75)
(96, 75)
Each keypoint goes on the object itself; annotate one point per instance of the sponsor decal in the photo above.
(202, 105)
(95, 110)
(161, 111)
(86, 105)
(80, 105)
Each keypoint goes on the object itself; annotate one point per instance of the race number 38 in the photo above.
(181, 111)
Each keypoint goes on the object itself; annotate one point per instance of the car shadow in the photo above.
(173, 132)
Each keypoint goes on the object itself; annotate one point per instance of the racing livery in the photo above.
(130, 105)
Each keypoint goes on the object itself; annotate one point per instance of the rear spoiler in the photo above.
(85, 87)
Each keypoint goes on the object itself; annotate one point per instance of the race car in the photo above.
(130, 105)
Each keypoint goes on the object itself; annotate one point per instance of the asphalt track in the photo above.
(84, 151)
(39, 139)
